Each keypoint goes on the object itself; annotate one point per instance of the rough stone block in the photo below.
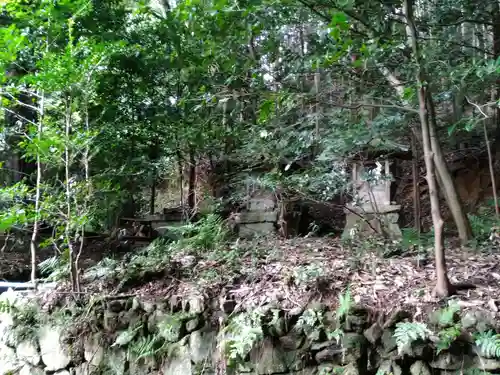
(29, 370)
(55, 355)
(28, 352)
(9, 364)
(252, 230)
(201, 344)
(256, 217)
(93, 351)
(179, 363)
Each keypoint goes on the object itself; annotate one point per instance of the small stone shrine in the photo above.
(372, 208)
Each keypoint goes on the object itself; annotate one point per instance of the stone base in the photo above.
(387, 218)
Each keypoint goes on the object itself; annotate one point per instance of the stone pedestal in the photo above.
(386, 218)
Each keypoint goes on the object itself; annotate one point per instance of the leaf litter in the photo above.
(294, 272)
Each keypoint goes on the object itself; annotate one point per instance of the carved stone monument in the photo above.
(372, 210)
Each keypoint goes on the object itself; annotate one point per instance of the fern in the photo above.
(406, 333)
(245, 331)
(447, 315)
(447, 337)
(145, 347)
(345, 304)
(488, 344)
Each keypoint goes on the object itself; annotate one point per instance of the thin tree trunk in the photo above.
(492, 170)
(416, 185)
(443, 286)
(449, 188)
(36, 223)
(69, 214)
(192, 184)
(153, 193)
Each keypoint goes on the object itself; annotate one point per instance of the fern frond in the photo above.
(488, 344)
(406, 333)
(345, 304)
(447, 315)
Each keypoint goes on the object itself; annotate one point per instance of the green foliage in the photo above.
(209, 233)
(411, 239)
(55, 268)
(482, 223)
(408, 332)
(345, 304)
(241, 334)
(447, 316)
(488, 344)
(447, 337)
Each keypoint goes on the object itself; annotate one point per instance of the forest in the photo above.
(106, 106)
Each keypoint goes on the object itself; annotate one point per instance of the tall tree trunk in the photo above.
(496, 54)
(448, 185)
(416, 185)
(443, 286)
(192, 184)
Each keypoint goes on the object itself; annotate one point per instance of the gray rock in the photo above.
(420, 368)
(142, 365)
(116, 360)
(85, 369)
(148, 306)
(278, 328)
(195, 305)
(388, 341)
(330, 354)
(136, 304)
(28, 352)
(350, 369)
(9, 364)
(179, 363)
(93, 351)
(292, 341)
(390, 367)
(28, 370)
(193, 324)
(111, 321)
(479, 320)
(447, 361)
(171, 328)
(374, 333)
(317, 346)
(154, 319)
(201, 345)
(55, 355)
(486, 364)
(268, 359)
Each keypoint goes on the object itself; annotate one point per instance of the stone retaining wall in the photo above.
(197, 336)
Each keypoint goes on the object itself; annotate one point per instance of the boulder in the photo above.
(447, 361)
(93, 351)
(268, 358)
(9, 364)
(201, 345)
(420, 368)
(374, 333)
(178, 363)
(390, 367)
(28, 352)
(55, 355)
(85, 369)
(29, 370)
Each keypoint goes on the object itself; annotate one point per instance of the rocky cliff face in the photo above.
(197, 335)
